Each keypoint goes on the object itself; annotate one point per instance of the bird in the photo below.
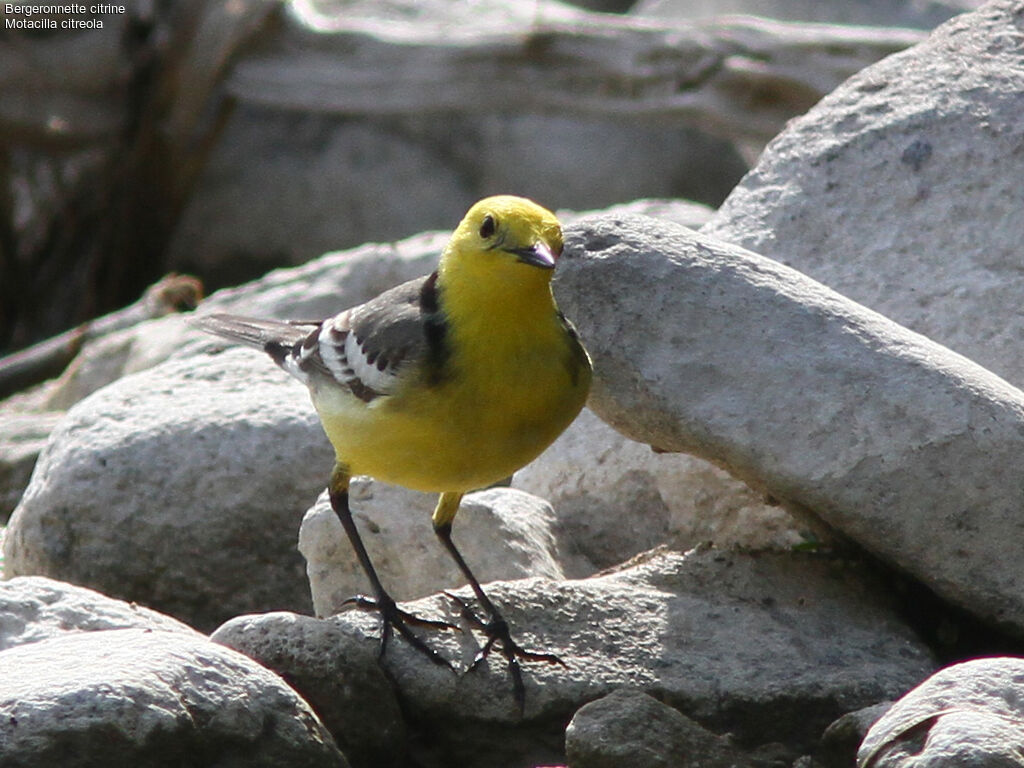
(444, 384)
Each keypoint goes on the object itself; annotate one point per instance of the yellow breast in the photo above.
(497, 409)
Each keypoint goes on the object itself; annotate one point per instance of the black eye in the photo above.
(488, 226)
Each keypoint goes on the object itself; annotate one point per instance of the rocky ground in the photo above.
(816, 565)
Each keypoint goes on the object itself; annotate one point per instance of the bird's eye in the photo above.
(487, 226)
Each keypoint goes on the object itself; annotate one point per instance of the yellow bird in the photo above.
(444, 384)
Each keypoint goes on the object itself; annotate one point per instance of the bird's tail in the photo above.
(275, 337)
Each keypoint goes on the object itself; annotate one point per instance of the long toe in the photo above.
(394, 618)
(496, 630)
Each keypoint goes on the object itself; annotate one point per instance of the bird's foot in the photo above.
(497, 632)
(393, 617)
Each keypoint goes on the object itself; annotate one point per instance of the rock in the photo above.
(34, 608)
(115, 356)
(967, 714)
(684, 212)
(629, 727)
(334, 188)
(772, 646)
(172, 462)
(232, 230)
(353, 93)
(908, 13)
(22, 436)
(134, 697)
(337, 673)
(317, 289)
(901, 189)
(659, 74)
(332, 282)
(904, 446)
(502, 533)
(839, 743)
(593, 476)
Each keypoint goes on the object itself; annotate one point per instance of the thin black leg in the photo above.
(391, 615)
(495, 628)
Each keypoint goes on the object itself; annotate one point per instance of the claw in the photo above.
(394, 618)
(497, 631)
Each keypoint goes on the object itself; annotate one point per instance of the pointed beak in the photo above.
(537, 255)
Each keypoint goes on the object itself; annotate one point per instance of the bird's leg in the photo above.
(495, 628)
(391, 615)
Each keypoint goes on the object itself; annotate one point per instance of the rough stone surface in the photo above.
(901, 189)
(135, 697)
(904, 446)
(34, 608)
(155, 489)
(337, 673)
(502, 533)
(772, 647)
(629, 727)
(596, 477)
(966, 715)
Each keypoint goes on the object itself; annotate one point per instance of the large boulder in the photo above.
(906, 447)
(136, 697)
(772, 647)
(901, 189)
(594, 476)
(968, 714)
(154, 489)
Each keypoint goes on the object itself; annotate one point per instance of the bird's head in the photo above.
(506, 235)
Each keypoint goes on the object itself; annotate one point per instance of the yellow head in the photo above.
(504, 240)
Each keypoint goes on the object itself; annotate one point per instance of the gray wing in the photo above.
(370, 348)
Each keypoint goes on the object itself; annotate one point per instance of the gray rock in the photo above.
(154, 489)
(318, 289)
(629, 727)
(337, 673)
(232, 229)
(592, 473)
(840, 741)
(588, 66)
(355, 93)
(919, 14)
(135, 697)
(335, 187)
(774, 646)
(34, 608)
(22, 437)
(901, 189)
(684, 212)
(502, 533)
(904, 446)
(332, 282)
(966, 715)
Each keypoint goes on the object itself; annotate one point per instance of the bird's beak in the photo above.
(536, 255)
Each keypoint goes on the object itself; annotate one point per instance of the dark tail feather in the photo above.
(275, 337)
